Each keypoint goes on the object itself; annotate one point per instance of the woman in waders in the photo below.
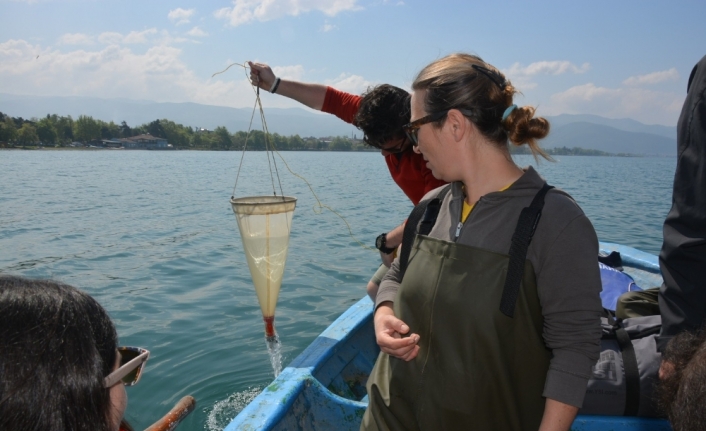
(491, 322)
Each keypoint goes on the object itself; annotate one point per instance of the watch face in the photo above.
(380, 241)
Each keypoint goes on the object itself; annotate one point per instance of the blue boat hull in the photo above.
(324, 387)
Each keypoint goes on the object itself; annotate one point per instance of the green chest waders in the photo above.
(477, 368)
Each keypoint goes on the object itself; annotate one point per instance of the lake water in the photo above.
(152, 237)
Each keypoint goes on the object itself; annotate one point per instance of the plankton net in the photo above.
(265, 223)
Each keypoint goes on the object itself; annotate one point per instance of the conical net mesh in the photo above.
(265, 223)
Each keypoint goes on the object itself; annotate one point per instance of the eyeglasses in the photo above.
(381, 145)
(412, 129)
(132, 362)
(397, 148)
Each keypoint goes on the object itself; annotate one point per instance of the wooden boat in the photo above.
(324, 387)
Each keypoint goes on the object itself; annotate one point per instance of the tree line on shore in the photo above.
(59, 131)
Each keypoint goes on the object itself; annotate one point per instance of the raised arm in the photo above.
(311, 95)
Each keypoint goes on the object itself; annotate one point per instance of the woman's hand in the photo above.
(389, 332)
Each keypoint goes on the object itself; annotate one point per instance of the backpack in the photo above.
(624, 378)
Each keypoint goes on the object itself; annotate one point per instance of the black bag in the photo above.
(624, 378)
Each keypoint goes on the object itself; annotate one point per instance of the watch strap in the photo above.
(381, 244)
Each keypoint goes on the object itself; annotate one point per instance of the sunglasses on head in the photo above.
(132, 362)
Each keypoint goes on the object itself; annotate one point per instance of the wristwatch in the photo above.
(381, 244)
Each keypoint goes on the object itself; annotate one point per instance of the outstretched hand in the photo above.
(261, 75)
(389, 332)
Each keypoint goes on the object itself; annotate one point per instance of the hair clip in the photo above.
(491, 75)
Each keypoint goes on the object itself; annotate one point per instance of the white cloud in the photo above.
(354, 84)
(586, 93)
(328, 27)
(134, 37)
(294, 73)
(653, 78)
(118, 71)
(244, 11)
(196, 32)
(76, 39)
(139, 36)
(546, 68)
(521, 76)
(523, 84)
(180, 16)
(110, 38)
(113, 71)
(641, 104)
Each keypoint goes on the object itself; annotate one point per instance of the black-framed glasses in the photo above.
(400, 147)
(412, 129)
(396, 148)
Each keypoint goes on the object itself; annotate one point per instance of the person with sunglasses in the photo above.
(61, 367)
(493, 320)
(380, 114)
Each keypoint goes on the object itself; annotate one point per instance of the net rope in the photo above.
(271, 150)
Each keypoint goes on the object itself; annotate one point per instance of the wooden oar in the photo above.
(180, 410)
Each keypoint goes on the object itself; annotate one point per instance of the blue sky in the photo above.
(617, 59)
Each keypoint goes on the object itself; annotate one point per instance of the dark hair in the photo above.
(382, 113)
(57, 345)
(682, 392)
(482, 93)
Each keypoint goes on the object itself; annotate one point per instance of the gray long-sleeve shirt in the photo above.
(564, 255)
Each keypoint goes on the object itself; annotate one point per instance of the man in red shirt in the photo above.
(380, 113)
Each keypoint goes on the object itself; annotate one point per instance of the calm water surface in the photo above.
(152, 237)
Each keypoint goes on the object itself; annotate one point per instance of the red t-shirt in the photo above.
(408, 169)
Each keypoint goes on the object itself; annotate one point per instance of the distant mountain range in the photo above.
(583, 131)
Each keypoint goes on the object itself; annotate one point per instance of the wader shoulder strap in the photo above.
(426, 211)
(526, 225)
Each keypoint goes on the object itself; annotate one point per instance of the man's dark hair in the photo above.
(57, 345)
(682, 392)
(382, 113)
